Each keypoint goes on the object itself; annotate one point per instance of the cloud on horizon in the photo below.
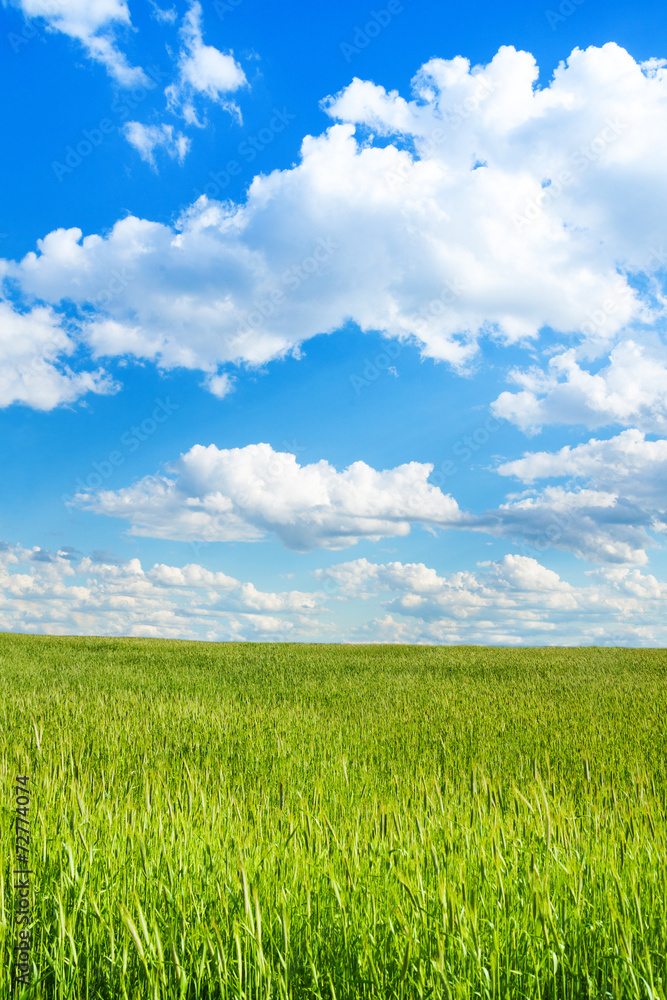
(512, 601)
(54, 594)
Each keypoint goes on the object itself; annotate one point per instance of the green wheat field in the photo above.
(310, 821)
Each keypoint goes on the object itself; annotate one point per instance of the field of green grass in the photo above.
(340, 822)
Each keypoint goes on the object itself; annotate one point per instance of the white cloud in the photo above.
(163, 15)
(220, 384)
(631, 389)
(33, 349)
(93, 23)
(247, 494)
(627, 463)
(410, 241)
(203, 70)
(64, 593)
(621, 494)
(513, 600)
(147, 138)
(597, 525)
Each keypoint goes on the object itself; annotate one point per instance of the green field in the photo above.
(255, 820)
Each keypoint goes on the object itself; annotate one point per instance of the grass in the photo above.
(292, 821)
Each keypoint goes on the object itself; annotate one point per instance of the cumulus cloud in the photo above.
(627, 462)
(510, 601)
(147, 138)
(33, 349)
(497, 209)
(93, 23)
(56, 594)
(247, 494)
(203, 70)
(252, 493)
(631, 389)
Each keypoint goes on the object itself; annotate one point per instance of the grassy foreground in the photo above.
(274, 821)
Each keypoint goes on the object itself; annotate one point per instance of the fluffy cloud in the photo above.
(247, 494)
(219, 385)
(511, 601)
(203, 70)
(607, 518)
(497, 209)
(627, 463)
(631, 389)
(33, 346)
(147, 138)
(92, 23)
(64, 592)
(596, 525)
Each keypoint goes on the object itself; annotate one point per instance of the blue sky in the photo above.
(336, 323)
